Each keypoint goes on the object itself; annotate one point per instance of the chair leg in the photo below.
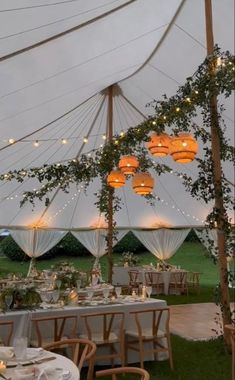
(141, 353)
(170, 351)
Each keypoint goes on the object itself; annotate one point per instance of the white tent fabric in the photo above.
(35, 242)
(162, 243)
(95, 240)
(55, 91)
(204, 235)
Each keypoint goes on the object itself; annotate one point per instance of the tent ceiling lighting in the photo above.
(128, 164)
(36, 143)
(64, 141)
(159, 145)
(142, 183)
(116, 179)
(85, 140)
(11, 141)
(183, 148)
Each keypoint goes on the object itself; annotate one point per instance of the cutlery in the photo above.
(4, 377)
(32, 362)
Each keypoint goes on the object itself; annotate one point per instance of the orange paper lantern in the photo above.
(183, 148)
(116, 179)
(159, 145)
(142, 183)
(128, 164)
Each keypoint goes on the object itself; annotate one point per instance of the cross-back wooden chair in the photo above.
(139, 373)
(80, 351)
(152, 326)
(134, 280)
(154, 279)
(59, 325)
(6, 331)
(178, 283)
(193, 281)
(106, 330)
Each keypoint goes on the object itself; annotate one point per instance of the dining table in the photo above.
(23, 326)
(121, 276)
(38, 364)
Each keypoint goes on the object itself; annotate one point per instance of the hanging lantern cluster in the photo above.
(142, 183)
(182, 148)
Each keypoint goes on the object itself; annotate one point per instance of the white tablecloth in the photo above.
(60, 362)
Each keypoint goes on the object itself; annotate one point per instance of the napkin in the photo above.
(25, 373)
(6, 353)
(49, 373)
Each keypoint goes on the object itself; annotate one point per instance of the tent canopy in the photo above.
(53, 94)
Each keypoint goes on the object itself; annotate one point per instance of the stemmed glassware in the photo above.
(118, 291)
(78, 283)
(58, 284)
(149, 290)
(8, 301)
(90, 294)
(106, 294)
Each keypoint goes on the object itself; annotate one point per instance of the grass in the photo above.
(192, 360)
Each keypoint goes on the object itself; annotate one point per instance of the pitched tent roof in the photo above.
(56, 90)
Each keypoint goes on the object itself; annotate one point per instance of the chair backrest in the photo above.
(6, 331)
(104, 324)
(178, 277)
(155, 318)
(143, 374)
(133, 277)
(59, 325)
(153, 278)
(82, 350)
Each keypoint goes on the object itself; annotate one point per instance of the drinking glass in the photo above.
(58, 284)
(90, 294)
(78, 283)
(55, 295)
(118, 291)
(8, 301)
(20, 347)
(149, 290)
(106, 294)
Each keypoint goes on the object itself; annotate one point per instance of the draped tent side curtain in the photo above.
(95, 240)
(204, 235)
(162, 243)
(35, 242)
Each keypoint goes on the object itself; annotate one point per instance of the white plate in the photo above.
(31, 354)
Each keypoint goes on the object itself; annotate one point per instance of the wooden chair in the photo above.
(231, 329)
(106, 330)
(154, 279)
(178, 283)
(6, 331)
(152, 326)
(143, 374)
(80, 351)
(134, 281)
(193, 281)
(59, 325)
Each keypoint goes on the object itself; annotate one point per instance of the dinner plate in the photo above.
(31, 354)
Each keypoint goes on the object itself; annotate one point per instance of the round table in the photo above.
(59, 362)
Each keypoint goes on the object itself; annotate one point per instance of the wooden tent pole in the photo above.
(217, 179)
(111, 190)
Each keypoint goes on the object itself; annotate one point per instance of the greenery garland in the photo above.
(176, 113)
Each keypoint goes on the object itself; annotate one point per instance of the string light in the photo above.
(85, 139)
(11, 141)
(64, 141)
(104, 137)
(36, 143)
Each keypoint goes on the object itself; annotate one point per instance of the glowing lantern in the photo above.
(116, 179)
(183, 148)
(159, 145)
(128, 164)
(142, 183)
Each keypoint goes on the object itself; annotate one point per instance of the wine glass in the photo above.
(149, 290)
(8, 301)
(118, 291)
(90, 294)
(58, 284)
(78, 283)
(55, 296)
(106, 294)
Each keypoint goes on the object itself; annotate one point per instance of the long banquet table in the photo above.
(22, 318)
(121, 276)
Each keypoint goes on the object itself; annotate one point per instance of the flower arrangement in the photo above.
(129, 259)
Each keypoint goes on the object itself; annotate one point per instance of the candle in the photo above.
(2, 366)
(144, 291)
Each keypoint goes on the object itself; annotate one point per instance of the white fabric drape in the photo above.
(35, 242)
(95, 240)
(205, 234)
(162, 243)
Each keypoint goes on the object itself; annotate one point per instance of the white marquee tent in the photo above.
(52, 89)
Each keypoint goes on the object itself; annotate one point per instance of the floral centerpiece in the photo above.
(25, 297)
(164, 266)
(68, 275)
(129, 259)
